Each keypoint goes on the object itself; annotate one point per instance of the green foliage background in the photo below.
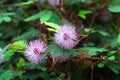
(97, 20)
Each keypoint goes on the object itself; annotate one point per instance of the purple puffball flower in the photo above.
(1, 56)
(61, 58)
(54, 2)
(34, 51)
(66, 37)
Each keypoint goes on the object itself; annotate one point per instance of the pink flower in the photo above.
(1, 56)
(54, 2)
(66, 37)
(34, 51)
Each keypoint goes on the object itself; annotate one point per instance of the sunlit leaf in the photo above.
(19, 45)
(82, 14)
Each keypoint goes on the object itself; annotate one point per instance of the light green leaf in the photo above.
(6, 75)
(52, 25)
(8, 54)
(118, 39)
(82, 14)
(19, 45)
(101, 64)
(7, 19)
(112, 57)
(1, 19)
(114, 6)
(21, 63)
(46, 16)
(51, 29)
(42, 14)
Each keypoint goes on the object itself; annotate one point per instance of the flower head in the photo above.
(34, 51)
(1, 56)
(54, 2)
(66, 37)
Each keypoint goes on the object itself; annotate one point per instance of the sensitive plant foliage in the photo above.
(34, 51)
(66, 37)
(19, 45)
(31, 30)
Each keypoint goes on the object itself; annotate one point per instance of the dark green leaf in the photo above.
(45, 76)
(27, 35)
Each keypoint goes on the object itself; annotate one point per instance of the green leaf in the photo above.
(103, 33)
(52, 25)
(114, 67)
(92, 50)
(101, 64)
(18, 74)
(1, 19)
(8, 54)
(46, 16)
(118, 39)
(51, 29)
(7, 19)
(21, 63)
(114, 6)
(6, 75)
(75, 1)
(32, 33)
(112, 57)
(4, 49)
(34, 17)
(82, 14)
(27, 3)
(45, 76)
(39, 15)
(57, 50)
(8, 14)
(19, 45)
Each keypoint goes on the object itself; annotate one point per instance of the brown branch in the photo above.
(108, 57)
(92, 70)
(101, 58)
